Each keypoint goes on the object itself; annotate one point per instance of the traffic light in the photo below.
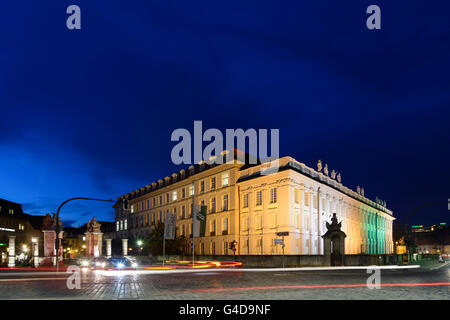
(233, 245)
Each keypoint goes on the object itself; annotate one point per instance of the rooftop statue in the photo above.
(325, 170)
(362, 192)
(358, 190)
(333, 174)
(339, 177)
(319, 165)
(93, 226)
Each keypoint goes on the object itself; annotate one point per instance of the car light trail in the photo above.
(325, 286)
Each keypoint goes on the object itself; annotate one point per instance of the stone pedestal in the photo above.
(125, 247)
(12, 252)
(36, 253)
(334, 243)
(108, 248)
(93, 244)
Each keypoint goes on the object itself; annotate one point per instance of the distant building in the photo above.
(433, 239)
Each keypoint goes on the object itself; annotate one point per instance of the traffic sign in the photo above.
(279, 241)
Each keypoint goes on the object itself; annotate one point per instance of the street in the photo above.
(421, 283)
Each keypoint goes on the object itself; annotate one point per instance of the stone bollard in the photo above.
(12, 252)
(125, 247)
(108, 248)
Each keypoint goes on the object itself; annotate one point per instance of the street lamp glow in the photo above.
(139, 243)
(34, 240)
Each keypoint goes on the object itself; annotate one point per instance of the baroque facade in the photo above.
(251, 204)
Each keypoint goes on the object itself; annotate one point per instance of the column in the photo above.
(108, 248)
(35, 252)
(12, 252)
(125, 247)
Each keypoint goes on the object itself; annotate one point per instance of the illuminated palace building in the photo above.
(249, 204)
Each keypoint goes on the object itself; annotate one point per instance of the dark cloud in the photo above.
(98, 106)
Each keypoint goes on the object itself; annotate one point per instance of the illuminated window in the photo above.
(191, 190)
(225, 179)
(117, 225)
(125, 224)
(225, 202)
(174, 196)
(132, 208)
(11, 211)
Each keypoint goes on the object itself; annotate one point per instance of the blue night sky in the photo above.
(90, 112)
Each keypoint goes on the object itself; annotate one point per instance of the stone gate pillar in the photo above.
(108, 248)
(12, 252)
(93, 239)
(49, 247)
(125, 247)
(334, 243)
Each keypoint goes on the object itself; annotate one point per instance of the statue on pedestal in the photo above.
(339, 177)
(333, 174)
(319, 165)
(325, 170)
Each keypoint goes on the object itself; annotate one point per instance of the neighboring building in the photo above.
(249, 204)
(14, 222)
(432, 240)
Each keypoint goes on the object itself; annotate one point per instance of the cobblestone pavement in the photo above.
(225, 285)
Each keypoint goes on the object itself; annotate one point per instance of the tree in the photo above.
(156, 238)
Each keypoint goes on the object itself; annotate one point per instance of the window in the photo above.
(297, 196)
(213, 226)
(191, 190)
(213, 205)
(306, 202)
(125, 224)
(117, 225)
(202, 186)
(174, 195)
(183, 230)
(153, 202)
(11, 211)
(246, 200)
(273, 195)
(259, 243)
(132, 208)
(225, 179)
(225, 202)
(160, 200)
(259, 198)
(213, 183)
(121, 224)
(183, 212)
(148, 204)
(225, 247)
(225, 224)
(167, 198)
(183, 193)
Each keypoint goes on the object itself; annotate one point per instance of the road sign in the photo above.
(279, 241)
(283, 234)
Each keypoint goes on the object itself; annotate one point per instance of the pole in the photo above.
(57, 222)
(283, 252)
(164, 247)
